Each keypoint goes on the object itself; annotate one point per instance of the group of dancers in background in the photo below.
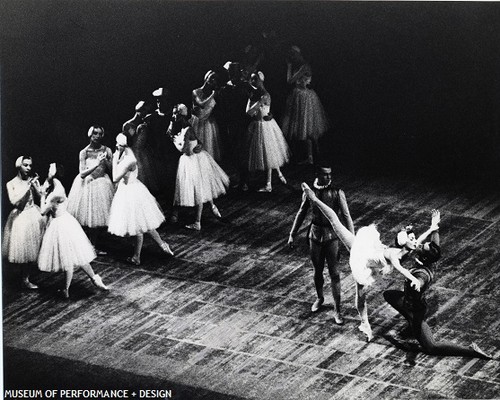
(175, 153)
(169, 152)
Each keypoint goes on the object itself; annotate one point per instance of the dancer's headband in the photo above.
(121, 139)
(19, 161)
(208, 75)
(182, 109)
(139, 105)
(93, 128)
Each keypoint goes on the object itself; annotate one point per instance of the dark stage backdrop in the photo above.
(410, 87)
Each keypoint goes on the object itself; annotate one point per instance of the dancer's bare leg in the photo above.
(363, 311)
(160, 242)
(280, 176)
(197, 224)
(88, 270)
(139, 240)
(68, 279)
(342, 232)
(268, 187)
(156, 237)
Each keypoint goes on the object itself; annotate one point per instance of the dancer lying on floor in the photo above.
(366, 252)
(411, 304)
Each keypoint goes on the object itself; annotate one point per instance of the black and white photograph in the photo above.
(250, 199)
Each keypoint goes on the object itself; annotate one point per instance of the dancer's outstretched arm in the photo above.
(341, 231)
(435, 220)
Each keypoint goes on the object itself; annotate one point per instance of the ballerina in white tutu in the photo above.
(366, 252)
(134, 211)
(202, 121)
(305, 120)
(91, 194)
(199, 178)
(65, 247)
(268, 149)
(23, 231)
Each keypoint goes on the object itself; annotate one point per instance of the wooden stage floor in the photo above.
(229, 316)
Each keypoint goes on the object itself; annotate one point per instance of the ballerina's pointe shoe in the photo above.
(266, 189)
(307, 190)
(482, 353)
(166, 249)
(282, 179)
(317, 305)
(194, 227)
(64, 293)
(367, 330)
(134, 261)
(215, 211)
(97, 280)
(28, 285)
(338, 318)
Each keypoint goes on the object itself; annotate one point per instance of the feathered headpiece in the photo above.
(208, 75)
(182, 109)
(19, 161)
(121, 139)
(139, 105)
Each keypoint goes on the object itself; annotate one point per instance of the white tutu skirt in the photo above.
(199, 179)
(22, 235)
(305, 117)
(367, 252)
(134, 210)
(65, 245)
(267, 146)
(89, 200)
(208, 132)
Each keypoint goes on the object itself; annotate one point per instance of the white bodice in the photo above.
(124, 161)
(180, 138)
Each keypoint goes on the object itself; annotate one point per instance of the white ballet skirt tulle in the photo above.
(267, 146)
(134, 210)
(305, 117)
(89, 200)
(199, 179)
(65, 245)
(366, 252)
(22, 235)
(207, 132)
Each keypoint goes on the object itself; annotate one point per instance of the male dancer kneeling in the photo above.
(411, 303)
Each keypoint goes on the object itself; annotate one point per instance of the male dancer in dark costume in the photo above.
(166, 155)
(323, 242)
(234, 121)
(411, 303)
